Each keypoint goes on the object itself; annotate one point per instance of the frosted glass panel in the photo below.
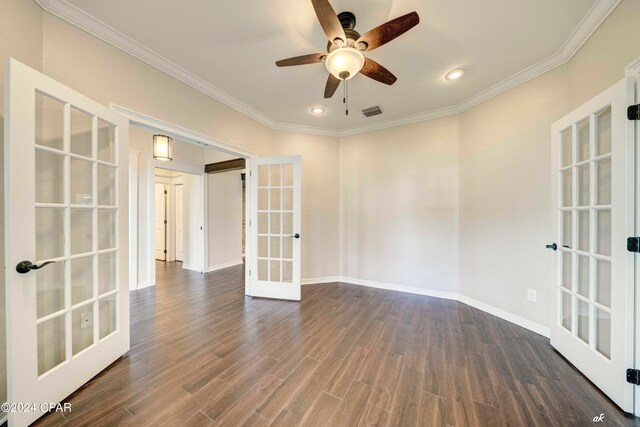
(287, 199)
(603, 132)
(81, 279)
(287, 175)
(583, 185)
(49, 177)
(603, 179)
(106, 142)
(81, 335)
(567, 230)
(603, 283)
(106, 272)
(566, 269)
(287, 271)
(287, 248)
(81, 182)
(583, 231)
(81, 231)
(81, 129)
(276, 195)
(263, 222)
(49, 233)
(263, 246)
(106, 229)
(107, 315)
(566, 189)
(287, 223)
(49, 122)
(583, 321)
(583, 140)
(51, 347)
(263, 199)
(603, 229)
(583, 276)
(275, 223)
(566, 310)
(263, 175)
(276, 176)
(274, 275)
(567, 157)
(50, 289)
(263, 270)
(603, 333)
(275, 247)
(106, 185)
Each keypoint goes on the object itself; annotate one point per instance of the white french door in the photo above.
(161, 221)
(66, 204)
(274, 259)
(593, 213)
(179, 222)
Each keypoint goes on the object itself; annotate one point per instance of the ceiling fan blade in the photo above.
(389, 31)
(302, 60)
(377, 72)
(329, 20)
(332, 85)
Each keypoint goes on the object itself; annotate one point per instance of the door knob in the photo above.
(24, 267)
(295, 236)
(552, 246)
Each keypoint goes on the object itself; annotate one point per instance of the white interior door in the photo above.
(275, 228)
(161, 221)
(66, 201)
(593, 172)
(179, 223)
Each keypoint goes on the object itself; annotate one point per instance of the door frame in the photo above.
(165, 189)
(149, 123)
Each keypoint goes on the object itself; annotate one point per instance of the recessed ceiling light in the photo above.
(454, 74)
(317, 110)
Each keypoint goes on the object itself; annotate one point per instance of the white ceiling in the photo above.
(232, 46)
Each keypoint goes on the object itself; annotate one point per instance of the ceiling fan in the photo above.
(344, 58)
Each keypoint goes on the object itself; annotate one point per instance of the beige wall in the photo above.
(399, 205)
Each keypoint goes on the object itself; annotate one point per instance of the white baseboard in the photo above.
(191, 267)
(143, 285)
(520, 321)
(224, 265)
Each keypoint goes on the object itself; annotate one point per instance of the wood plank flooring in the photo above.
(203, 354)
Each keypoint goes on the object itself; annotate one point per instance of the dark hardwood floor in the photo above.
(203, 354)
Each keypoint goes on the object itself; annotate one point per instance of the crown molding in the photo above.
(600, 10)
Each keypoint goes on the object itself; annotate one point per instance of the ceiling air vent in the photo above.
(372, 111)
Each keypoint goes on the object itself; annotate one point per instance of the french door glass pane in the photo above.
(49, 122)
(106, 185)
(275, 247)
(567, 228)
(49, 177)
(583, 231)
(81, 279)
(106, 229)
(263, 175)
(263, 269)
(51, 344)
(81, 335)
(106, 142)
(81, 130)
(566, 150)
(106, 272)
(566, 310)
(81, 231)
(263, 246)
(287, 199)
(566, 269)
(274, 275)
(275, 199)
(583, 321)
(583, 140)
(107, 315)
(603, 230)
(275, 223)
(603, 182)
(263, 222)
(567, 185)
(287, 248)
(275, 179)
(287, 223)
(287, 175)
(81, 182)
(583, 185)
(583, 276)
(49, 233)
(287, 271)
(603, 132)
(263, 199)
(50, 289)
(603, 283)
(603, 332)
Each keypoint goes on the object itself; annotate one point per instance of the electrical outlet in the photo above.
(532, 295)
(86, 320)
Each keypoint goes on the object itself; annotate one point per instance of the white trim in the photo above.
(633, 69)
(509, 317)
(143, 285)
(191, 267)
(600, 10)
(224, 265)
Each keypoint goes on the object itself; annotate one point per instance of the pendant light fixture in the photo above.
(162, 148)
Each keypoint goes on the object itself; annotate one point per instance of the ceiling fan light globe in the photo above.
(344, 63)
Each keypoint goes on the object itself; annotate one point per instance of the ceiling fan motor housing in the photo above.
(348, 22)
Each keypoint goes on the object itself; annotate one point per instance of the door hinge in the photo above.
(633, 112)
(165, 251)
(165, 191)
(633, 244)
(633, 376)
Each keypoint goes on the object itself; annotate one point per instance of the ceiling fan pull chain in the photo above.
(346, 89)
